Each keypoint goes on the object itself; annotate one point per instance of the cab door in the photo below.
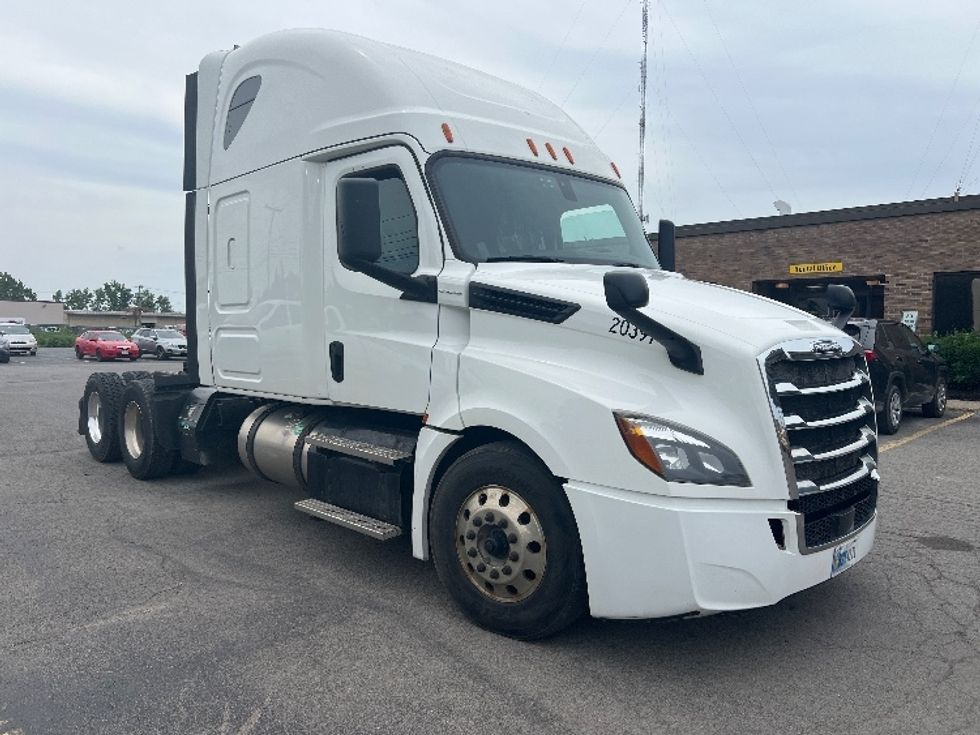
(379, 344)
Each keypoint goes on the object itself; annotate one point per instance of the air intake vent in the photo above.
(518, 303)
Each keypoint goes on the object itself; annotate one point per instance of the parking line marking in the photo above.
(901, 442)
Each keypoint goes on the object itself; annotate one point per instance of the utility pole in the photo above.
(138, 311)
(643, 111)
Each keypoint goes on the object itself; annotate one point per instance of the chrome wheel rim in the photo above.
(500, 544)
(895, 408)
(95, 417)
(133, 430)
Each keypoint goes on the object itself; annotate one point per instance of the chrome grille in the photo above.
(824, 411)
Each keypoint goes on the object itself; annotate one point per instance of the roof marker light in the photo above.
(551, 151)
(534, 148)
(448, 132)
(616, 169)
(568, 155)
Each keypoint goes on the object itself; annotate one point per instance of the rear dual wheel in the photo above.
(505, 543)
(143, 454)
(100, 423)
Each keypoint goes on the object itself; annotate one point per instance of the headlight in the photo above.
(679, 454)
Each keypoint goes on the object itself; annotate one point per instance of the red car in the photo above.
(105, 345)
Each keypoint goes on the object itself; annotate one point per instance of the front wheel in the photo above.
(891, 417)
(162, 354)
(99, 356)
(937, 406)
(505, 543)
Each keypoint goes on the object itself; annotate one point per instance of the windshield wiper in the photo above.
(524, 259)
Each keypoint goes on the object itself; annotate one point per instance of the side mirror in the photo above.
(626, 293)
(358, 222)
(666, 245)
(625, 290)
(841, 301)
(155, 338)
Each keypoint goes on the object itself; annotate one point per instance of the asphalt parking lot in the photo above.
(206, 604)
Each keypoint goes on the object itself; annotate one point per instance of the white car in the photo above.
(19, 339)
(4, 349)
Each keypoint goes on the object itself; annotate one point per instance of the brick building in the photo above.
(918, 259)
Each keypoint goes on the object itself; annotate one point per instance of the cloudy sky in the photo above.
(821, 104)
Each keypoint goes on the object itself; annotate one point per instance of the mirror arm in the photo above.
(683, 353)
(413, 288)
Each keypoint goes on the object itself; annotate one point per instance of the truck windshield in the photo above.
(497, 211)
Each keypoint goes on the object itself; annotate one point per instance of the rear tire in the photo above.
(130, 375)
(891, 417)
(505, 543)
(78, 354)
(100, 406)
(935, 408)
(144, 456)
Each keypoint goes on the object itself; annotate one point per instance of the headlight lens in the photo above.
(680, 454)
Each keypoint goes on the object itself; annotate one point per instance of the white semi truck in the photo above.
(422, 295)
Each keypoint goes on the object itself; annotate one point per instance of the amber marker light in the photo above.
(615, 168)
(568, 155)
(638, 445)
(448, 132)
(551, 151)
(533, 147)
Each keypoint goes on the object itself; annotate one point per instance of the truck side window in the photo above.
(399, 223)
(238, 108)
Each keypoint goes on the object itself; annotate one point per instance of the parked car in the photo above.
(163, 343)
(19, 339)
(4, 349)
(105, 345)
(905, 373)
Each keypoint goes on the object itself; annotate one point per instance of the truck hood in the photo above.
(688, 307)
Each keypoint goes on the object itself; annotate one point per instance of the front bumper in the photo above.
(22, 349)
(654, 556)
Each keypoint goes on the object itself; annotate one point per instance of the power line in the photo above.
(942, 114)
(748, 97)
(561, 45)
(721, 106)
(595, 52)
(949, 149)
(971, 155)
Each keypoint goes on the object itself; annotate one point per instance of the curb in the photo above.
(963, 405)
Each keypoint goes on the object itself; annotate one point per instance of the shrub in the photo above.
(961, 350)
(61, 338)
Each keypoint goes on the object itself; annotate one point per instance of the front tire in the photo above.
(162, 354)
(891, 417)
(99, 406)
(142, 453)
(935, 408)
(99, 356)
(505, 543)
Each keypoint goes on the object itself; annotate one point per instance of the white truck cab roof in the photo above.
(353, 88)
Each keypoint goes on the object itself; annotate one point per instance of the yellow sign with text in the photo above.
(799, 269)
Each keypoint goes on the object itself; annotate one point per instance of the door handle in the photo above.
(337, 361)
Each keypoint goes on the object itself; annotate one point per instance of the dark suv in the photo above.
(904, 372)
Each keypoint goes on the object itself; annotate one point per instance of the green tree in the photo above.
(146, 300)
(57, 296)
(113, 296)
(78, 298)
(12, 289)
(163, 304)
